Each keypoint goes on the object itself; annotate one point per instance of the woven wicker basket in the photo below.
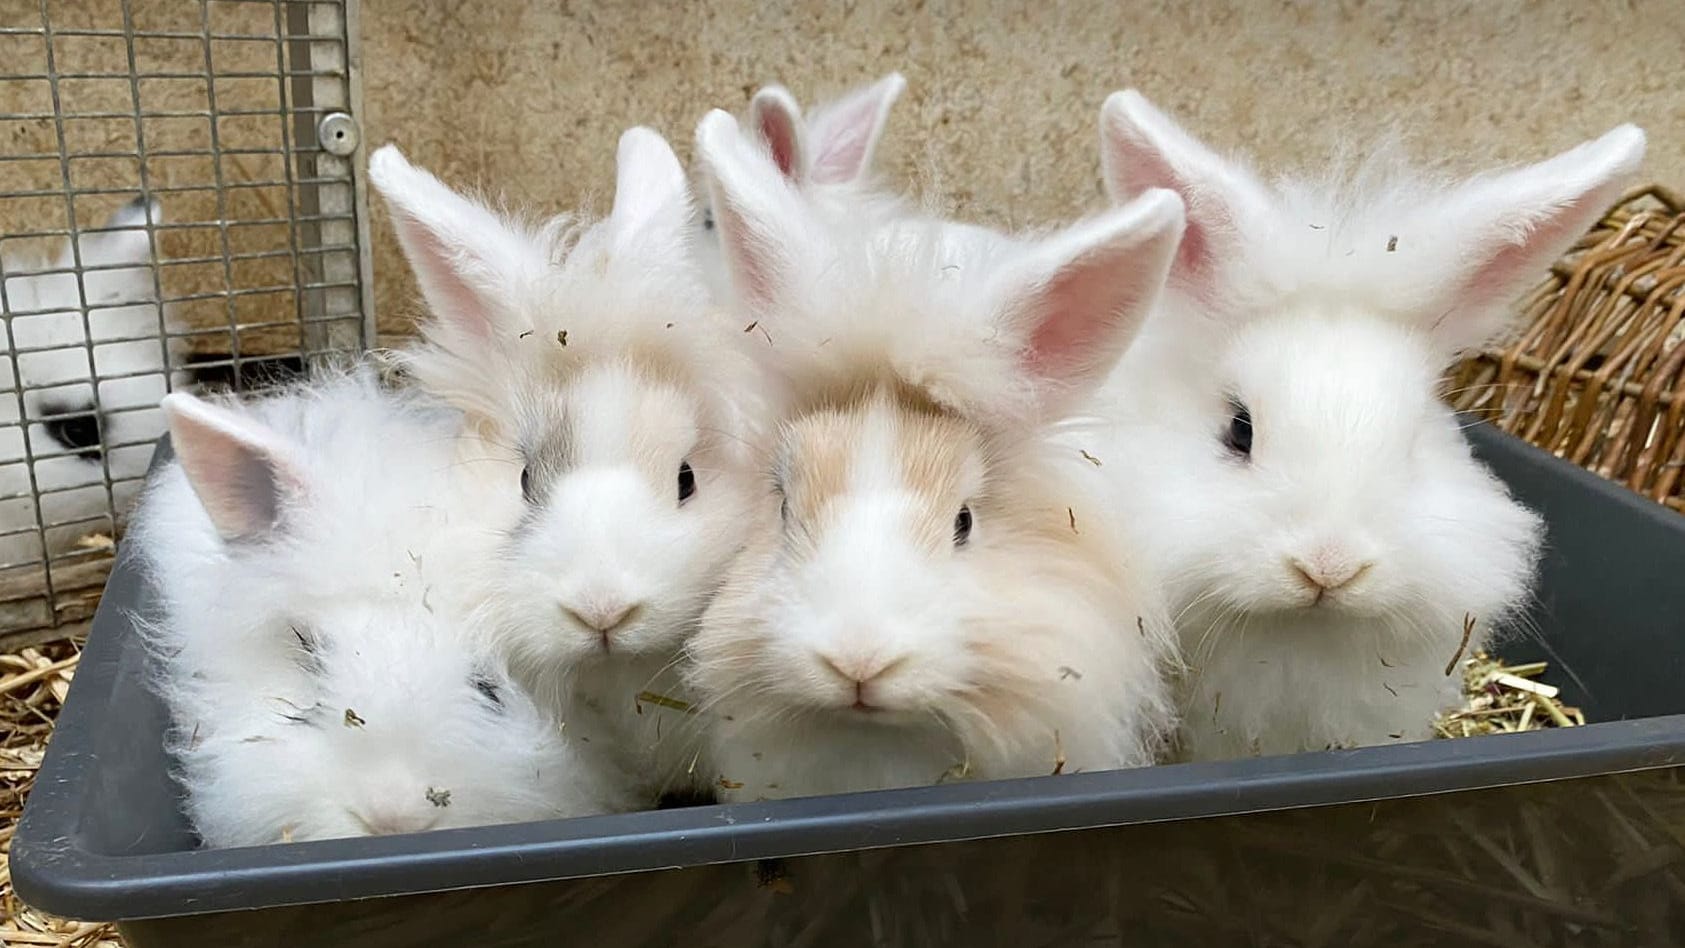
(1596, 374)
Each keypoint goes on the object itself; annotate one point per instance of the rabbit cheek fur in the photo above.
(876, 636)
(636, 496)
(1353, 469)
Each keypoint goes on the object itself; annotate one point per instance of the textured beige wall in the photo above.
(527, 99)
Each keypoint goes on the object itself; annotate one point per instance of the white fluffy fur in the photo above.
(827, 153)
(925, 366)
(652, 379)
(317, 645)
(1328, 310)
(44, 312)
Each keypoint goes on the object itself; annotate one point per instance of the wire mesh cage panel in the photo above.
(178, 211)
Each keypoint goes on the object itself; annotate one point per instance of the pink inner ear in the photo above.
(1140, 168)
(842, 152)
(241, 483)
(779, 132)
(750, 256)
(438, 270)
(1506, 272)
(1079, 313)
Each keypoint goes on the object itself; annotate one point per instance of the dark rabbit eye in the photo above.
(1239, 436)
(687, 481)
(707, 218)
(79, 432)
(526, 484)
(487, 687)
(962, 526)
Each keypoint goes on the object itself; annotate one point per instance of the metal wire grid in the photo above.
(192, 125)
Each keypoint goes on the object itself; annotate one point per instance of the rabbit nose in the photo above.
(860, 671)
(1329, 568)
(602, 617)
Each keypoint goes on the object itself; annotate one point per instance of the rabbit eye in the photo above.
(1239, 436)
(487, 687)
(962, 526)
(526, 484)
(79, 431)
(687, 481)
(708, 218)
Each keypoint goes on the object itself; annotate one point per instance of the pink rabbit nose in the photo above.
(1328, 569)
(860, 671)
(602, 617)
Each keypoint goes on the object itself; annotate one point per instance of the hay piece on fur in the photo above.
(663, 701)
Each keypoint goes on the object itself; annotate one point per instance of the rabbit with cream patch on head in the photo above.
(933, 588)
(74, 437)
(1317, 512)
(827, 154)
(628, 406)
(320, 556)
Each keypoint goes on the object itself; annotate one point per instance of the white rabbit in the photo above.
(73, 439)
(1314, 507)
(319, 557)
(827, 154)
(932, 589)
(628, 407)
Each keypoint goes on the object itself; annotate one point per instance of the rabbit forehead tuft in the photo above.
(1330, 376)
(1372, 231)
(616, 411)
(880, 442)
(912, 305)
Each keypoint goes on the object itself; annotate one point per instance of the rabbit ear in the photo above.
(121, 239)
(777, 119)
(243, 473)
(1080, 298)
(466, 258)
(1510, 226)
(843, 135)
(762, 222)
(1141, 148)
(651, 195)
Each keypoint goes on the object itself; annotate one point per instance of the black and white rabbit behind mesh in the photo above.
(77, 431)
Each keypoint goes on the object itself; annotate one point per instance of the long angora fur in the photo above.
(933, 587)
(1322, 524)
(319, 556)
(627, 407)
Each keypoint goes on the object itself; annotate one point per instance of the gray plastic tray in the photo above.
(1166, 855)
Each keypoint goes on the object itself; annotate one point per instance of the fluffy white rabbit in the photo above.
(1318, 515)
(932, 589)
(57, 357)
(319, 557)
(827, 154)
(628, 407)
